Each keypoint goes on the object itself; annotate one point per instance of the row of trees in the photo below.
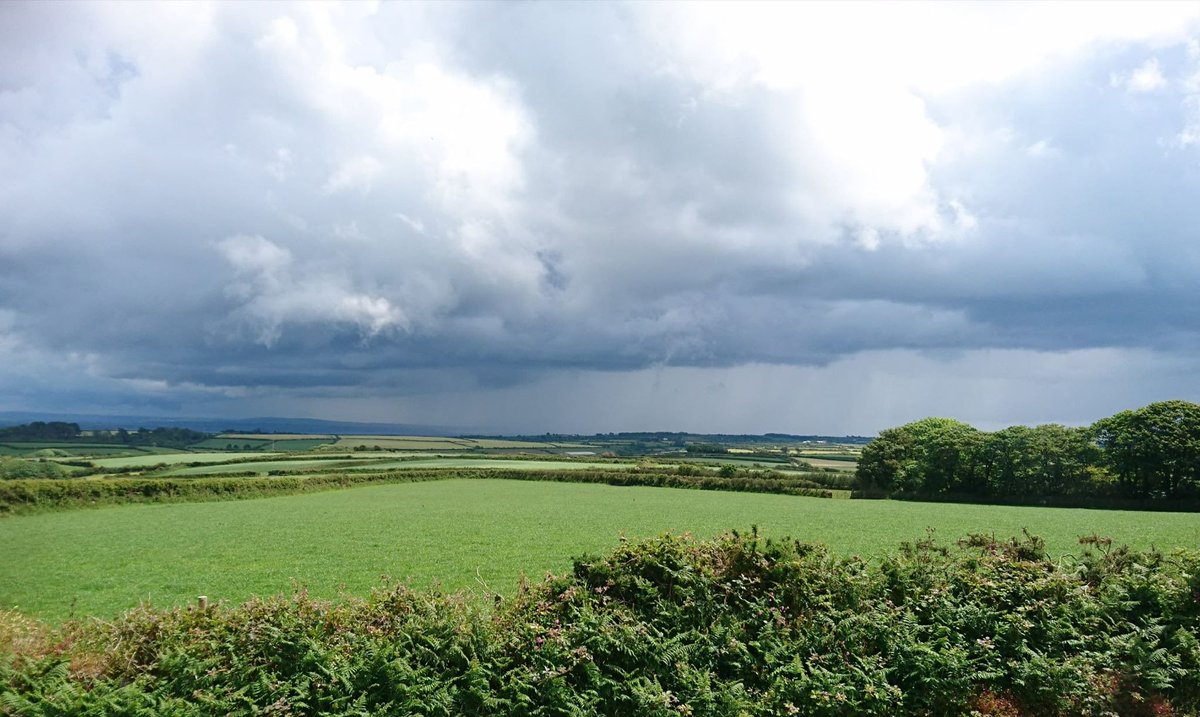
(1148, 453)
(59, 431)
(41, 431)
(169, 437)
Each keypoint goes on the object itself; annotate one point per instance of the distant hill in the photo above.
(276, 424)
(266, 424)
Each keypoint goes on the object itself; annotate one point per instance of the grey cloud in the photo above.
(444, 199)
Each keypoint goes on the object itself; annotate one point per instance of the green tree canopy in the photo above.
(1154, 451)
(932, 455)
(1046, 460)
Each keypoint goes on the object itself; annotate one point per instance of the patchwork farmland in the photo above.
(111, 543)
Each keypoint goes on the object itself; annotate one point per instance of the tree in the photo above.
(1153, 451)
(930, 456)
(1047, 460)
(42, 431)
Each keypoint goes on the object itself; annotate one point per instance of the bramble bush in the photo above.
(672, 626)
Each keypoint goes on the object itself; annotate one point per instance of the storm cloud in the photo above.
(812, 218)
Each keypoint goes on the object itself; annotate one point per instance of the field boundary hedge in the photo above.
(35, 496)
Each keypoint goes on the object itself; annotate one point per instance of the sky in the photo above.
(589, 217)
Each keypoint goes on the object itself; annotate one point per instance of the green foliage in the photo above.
(41, 431)
(59, 431)
(17, 469)
(673, 626)
(1046, 460)
(1150, 454)
(933, 455)
(1154, 451)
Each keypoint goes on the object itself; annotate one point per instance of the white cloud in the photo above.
(858, 73)
(415, 224)
(358, 174)
(272, 291)
(1190, 135)
(1041, 149)
(1146, 78)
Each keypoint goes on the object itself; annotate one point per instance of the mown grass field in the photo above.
(462, 533)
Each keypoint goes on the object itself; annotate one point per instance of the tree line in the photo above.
(170, 437)
(1149, 453)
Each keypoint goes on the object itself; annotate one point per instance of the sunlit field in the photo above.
(463, 534)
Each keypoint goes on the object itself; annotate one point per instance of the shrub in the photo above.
(671, 626)
(17, 469)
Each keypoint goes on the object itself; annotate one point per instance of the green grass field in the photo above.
(228, 444)
(172, 458)
(837, 465)
(324, 437)
(435, 443)
(459, 532)
(70, 449)
(759, 464)
(375, 462)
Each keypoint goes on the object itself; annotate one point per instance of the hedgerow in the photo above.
(673, 626)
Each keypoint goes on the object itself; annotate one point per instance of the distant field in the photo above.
(73, 449)
(298, 463)
(837, 465)
(232, 443)
(462, 533)
(220, 443)
(435, 443)
(370, 462)
(409, 443)
(172, 458)
(766, 464)
(536, 465)
(280, 436)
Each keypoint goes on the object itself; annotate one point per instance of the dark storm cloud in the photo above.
(229, 205)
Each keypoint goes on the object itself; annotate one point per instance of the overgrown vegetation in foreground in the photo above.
(672, 626)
